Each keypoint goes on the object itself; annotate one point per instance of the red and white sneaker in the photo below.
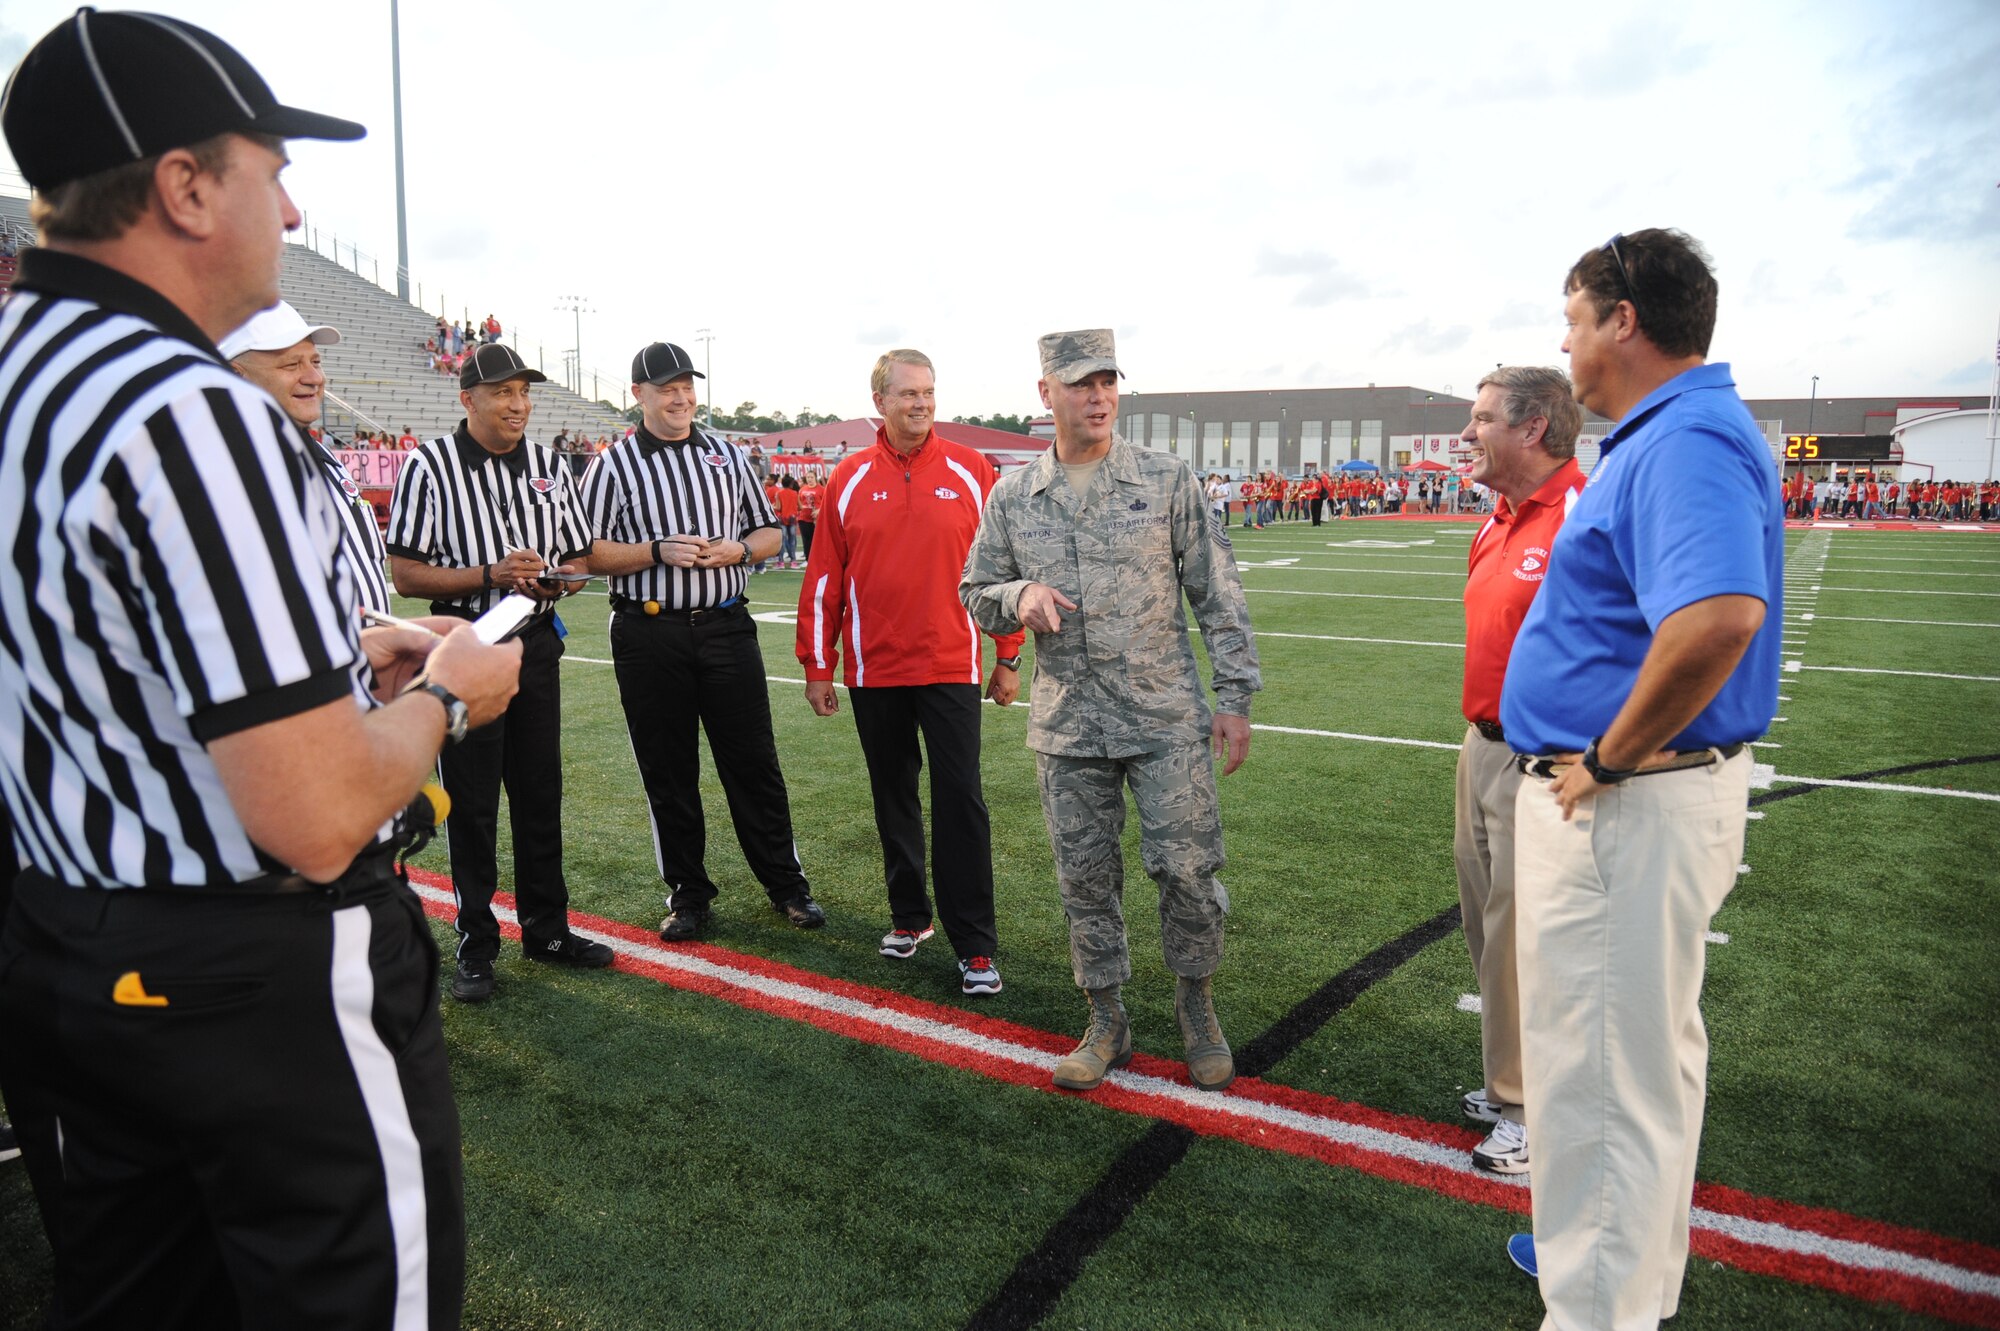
(978, 975)
(902, 943)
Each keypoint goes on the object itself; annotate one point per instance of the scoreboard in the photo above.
(1840, 448)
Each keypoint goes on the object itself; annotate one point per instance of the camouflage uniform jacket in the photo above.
(1120, 679)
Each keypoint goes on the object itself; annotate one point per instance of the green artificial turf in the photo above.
(638, 1156)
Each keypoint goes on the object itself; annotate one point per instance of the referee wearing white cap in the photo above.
(679, 517)
(476, 514)
(278, 351)
(211, 976)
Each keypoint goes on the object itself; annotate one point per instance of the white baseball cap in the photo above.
(277, 329)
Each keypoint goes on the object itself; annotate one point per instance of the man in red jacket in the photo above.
(895, 523)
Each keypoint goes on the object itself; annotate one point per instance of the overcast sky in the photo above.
(1286, 195)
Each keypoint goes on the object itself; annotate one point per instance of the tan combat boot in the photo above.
(1209, 1061)
(1107, 1043)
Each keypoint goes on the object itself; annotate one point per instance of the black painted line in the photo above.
(1034, 1287)
(1792, 792)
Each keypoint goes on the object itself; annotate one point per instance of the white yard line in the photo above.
(1910, 674)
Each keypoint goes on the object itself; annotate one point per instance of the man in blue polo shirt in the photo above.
(1643, 669)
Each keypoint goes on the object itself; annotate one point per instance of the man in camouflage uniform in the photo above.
(1091, 547)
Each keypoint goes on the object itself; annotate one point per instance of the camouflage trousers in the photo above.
(1180, 840)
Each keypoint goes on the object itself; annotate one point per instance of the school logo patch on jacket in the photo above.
(541, 485)
(945, 492)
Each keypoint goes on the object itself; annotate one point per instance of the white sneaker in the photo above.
(1478, 1108)
(1505, 1150)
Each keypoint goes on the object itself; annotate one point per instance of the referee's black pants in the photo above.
(675, 674)
(256, 1119)
(523, 748)
(888, 720)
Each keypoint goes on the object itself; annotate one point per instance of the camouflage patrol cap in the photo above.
(1068, 357)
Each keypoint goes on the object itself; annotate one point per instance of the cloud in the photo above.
(1527, 314)
(1325, 280)
(1422, 339)
(1933, 132)
(1379, 171)
(882, 335)
(1966, 380)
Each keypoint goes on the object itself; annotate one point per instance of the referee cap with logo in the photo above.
(100, 90)
(663, 362)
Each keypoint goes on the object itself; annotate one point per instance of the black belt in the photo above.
(691, 615)
(1684, 759)
(1490, 730)
(541, 619)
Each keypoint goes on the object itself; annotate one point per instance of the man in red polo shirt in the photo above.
(1523, 438)
(894, 527)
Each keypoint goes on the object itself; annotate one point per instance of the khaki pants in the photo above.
(1613, 912)
(1484, 848)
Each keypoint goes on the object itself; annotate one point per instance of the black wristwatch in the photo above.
(455, 713)
(1012, 663)
(1603, 776)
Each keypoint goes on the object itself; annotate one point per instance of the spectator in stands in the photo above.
(408, 440)
(492, 328)
(561, 442)
(787, 507)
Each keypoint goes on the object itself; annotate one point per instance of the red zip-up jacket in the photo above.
(886, 559)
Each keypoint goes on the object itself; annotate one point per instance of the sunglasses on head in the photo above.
(1631, 292)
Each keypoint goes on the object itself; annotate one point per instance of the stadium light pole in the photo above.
(1811, 403)
(578, 306)
(402, 210)
(707, 339)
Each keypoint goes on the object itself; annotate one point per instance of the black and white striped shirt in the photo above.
(645, 489)
(360, 537)
(458, 506)
(173, 576)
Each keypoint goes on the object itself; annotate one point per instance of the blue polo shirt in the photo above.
(1682, 506)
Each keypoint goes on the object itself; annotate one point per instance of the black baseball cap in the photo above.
(661, 362)
(101, 90)
(496, 364)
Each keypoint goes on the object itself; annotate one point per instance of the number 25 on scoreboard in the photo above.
(1801, 447)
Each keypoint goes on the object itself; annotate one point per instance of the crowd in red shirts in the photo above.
(1273, 498)
(1866, 496)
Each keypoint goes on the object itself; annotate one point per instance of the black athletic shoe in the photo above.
(569, 950)
(684, 924)
(801, 910)
(10, 1145)
(474, 982)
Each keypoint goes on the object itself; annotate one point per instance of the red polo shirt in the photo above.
(1510, 557)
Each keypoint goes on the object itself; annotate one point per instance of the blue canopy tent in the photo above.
(1358, 464)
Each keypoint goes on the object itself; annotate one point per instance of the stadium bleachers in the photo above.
(380, 371)
(379, 377)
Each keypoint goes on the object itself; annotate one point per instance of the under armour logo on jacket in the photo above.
(880, 494)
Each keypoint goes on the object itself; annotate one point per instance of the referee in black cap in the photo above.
(679, 518)
(220, 999)
(477, 514)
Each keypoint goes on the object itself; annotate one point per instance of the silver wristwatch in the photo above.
(455, 713)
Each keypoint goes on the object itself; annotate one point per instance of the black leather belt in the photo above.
(1549, 768)
(1490, 730)
(694, 615)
